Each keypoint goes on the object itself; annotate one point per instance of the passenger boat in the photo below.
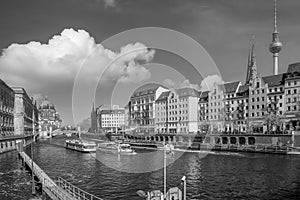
(115, 148)
(82, 146)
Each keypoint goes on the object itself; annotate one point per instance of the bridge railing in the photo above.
(75, 191)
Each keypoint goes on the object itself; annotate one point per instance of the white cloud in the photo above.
(210, 81)
(110, 3)
(34, 64)
(184, 84)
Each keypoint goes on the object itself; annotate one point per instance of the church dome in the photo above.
(46, 104)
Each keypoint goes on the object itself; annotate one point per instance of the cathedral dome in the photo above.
(46, 104)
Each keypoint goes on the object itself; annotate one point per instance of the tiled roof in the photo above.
(295, 67)
(274, 80)
(113, 111)
(203, 94)
(243, 88)
(231, 87)
(163, 96)
(187, 92)
(148, 88)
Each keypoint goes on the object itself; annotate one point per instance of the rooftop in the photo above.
(274, 80)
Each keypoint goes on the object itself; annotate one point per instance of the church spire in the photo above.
(276, 45)
(251, 68)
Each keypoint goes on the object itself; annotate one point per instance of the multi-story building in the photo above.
(142, 107)
(231, 105)
(26, 114)
(108, 118)
(242, 112)
(49, 117)
(216, 110)
(203, 120)
(161, 113)
(292, 97)
(112, 120)
(176, 111)
(6, 110)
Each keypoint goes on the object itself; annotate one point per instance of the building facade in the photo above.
(292, 98)
(177, 111)
(49, 117)
(108, 118)
(142, 107)
(26, 115)
(6, 110)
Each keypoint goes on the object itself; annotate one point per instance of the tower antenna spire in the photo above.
(276, 45)
(275, 17)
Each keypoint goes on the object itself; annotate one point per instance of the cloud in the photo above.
(208, 82)
(184, 84)
(35, 65)
(110, 3)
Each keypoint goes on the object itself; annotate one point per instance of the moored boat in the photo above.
(115, 148)
(82, 146)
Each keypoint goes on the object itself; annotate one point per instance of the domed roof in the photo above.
(46, 104)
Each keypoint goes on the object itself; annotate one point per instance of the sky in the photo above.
(51, 47)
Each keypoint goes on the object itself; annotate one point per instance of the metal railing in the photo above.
(75, 191)
(46, 180)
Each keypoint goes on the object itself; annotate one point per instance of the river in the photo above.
(214, 176)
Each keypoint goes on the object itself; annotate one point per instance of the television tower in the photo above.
(276, 45)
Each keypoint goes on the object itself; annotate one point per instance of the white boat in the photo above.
(294, 151)
(115, 148)
(69, 134)
(82, 146)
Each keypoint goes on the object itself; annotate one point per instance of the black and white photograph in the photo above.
(149, 99)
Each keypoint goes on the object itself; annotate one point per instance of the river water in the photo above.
(214, 176)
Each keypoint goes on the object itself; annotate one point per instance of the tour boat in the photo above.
(116, 148)
(82, 146)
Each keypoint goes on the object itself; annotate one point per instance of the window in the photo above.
(257, 84)
(262, 106)
(289, 92)
(252, 107)
(257, 91)
(252, 92)
(253, 100)
(275, 89)
(295, 82)
(252, 114)
(295, 91)
(263, 91)
(263, 98)
(257, 106)
(280, 104)
(289, 83)
(257, 99)
(289, 108)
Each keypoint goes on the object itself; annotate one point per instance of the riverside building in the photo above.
(108, 118)
(142, 108)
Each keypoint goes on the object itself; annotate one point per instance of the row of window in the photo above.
(293, 100)
(289, 83)
(293, 91)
